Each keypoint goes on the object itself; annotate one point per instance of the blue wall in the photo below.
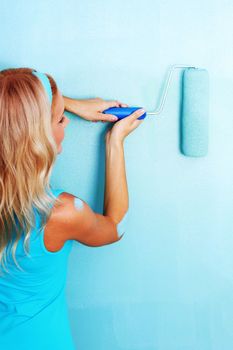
(167, 285)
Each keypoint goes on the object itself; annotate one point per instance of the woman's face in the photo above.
(59, 121)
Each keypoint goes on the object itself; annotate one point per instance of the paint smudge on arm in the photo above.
(78, 203)
(121, 226)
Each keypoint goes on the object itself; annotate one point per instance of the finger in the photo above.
(138, 113)
(121, 104)
(110, 104)
(137, 122)
(107, 117)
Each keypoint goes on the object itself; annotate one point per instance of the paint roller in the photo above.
(194, 110)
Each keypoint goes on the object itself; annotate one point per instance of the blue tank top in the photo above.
(33, 309)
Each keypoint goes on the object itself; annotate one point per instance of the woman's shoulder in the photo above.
(54, 234)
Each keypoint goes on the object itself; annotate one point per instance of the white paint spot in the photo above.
(78, 203)
(121, 226)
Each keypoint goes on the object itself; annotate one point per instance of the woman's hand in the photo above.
(124, 127)
(91, 109)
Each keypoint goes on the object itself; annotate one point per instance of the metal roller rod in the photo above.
(163, 99)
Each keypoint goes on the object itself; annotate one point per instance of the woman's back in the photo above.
(32, 302)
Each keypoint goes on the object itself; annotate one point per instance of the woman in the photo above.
(38, 223)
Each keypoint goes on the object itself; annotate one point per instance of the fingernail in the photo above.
(114, 118)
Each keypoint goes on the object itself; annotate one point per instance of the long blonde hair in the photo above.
(27, 153)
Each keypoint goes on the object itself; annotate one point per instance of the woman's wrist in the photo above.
(115, 142)
(71, 105)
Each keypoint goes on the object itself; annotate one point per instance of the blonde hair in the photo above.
(27, 153)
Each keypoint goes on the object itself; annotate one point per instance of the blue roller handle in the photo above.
(123, 112)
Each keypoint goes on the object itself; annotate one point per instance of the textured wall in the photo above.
(167, 285)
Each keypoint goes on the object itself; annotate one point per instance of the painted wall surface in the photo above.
(167, 285)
